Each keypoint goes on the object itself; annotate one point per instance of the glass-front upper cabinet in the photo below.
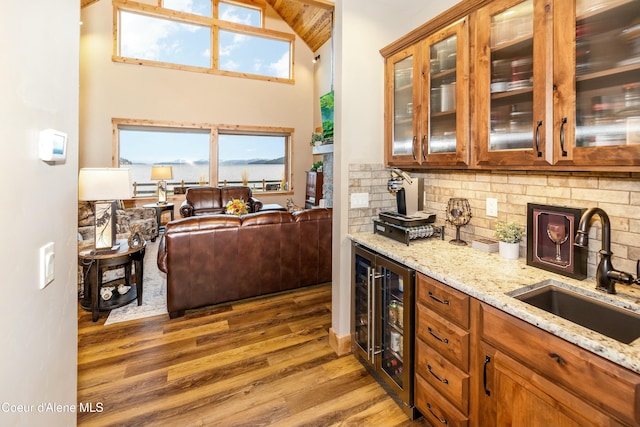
(402, 107)
(513, 71)
(598, 82)
(445, 105)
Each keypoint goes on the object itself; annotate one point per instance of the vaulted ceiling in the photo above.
(312, 20)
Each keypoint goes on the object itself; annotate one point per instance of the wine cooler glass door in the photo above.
(363, 294)
(392, 323)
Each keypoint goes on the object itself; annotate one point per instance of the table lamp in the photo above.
(104, 186)
(161, 173)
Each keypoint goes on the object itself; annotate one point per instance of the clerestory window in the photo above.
(211, 36)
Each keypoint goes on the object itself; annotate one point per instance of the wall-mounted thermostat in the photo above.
(53, 145)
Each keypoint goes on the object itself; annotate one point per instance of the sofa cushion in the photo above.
(234, 192)
(205, 200)
(266, 217)
(204, 223)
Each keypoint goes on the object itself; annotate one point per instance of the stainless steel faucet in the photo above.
(606, 275)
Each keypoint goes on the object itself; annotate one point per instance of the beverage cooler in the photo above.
(383, 306)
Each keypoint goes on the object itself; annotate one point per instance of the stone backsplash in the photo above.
(618, 194)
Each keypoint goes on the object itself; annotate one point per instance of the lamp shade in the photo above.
(161, 172)
(104, 184)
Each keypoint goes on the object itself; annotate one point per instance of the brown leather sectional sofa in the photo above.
(220, 258)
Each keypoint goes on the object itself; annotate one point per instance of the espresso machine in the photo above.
(397, 224)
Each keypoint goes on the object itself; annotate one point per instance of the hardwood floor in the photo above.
(261, 362)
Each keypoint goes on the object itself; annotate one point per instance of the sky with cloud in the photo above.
(157, 39)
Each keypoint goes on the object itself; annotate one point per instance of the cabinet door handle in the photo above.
(413, 147)
(432, 296)
(369, 324)
(443, 340)
(487, 359)
(424, 139)
(538, 138)
(558, 358)
(564, 122)
(442, 380)
(442, 420)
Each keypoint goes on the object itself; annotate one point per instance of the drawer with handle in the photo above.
(444, 300)
(445, 377)
(445, 337)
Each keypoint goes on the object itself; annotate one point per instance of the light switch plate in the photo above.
(359, 200)
(47, 264)
(492, 207)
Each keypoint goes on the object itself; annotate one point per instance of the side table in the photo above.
(160, 207)
(93, 266)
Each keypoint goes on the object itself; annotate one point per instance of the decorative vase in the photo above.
(509, 250)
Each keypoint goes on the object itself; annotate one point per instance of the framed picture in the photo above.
(551, 231)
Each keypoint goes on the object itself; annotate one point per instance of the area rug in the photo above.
(154, 292)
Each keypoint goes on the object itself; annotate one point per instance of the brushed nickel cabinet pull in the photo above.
(442, 420)
(444, 340)
(432, 296)
(442, 380)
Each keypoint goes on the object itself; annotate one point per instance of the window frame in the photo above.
(214, 131)
(214, 25)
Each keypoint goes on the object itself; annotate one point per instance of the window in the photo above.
(254, 55)
(186, 150)
(205, 155)
(240, 14)
(158, 39)
(180, 33)
(256, 159)
(196, 7)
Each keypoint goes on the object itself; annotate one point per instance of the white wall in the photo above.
(112, 89)
(39, 40)
(363, 27)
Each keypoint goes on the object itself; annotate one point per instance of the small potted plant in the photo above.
(317, 167)
(509, 234)
(316, 139)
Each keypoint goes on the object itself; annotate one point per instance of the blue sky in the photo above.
(159, 147)
(156, 39)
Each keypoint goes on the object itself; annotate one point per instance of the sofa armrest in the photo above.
(162, 255)
(255, 204)
(186, 209)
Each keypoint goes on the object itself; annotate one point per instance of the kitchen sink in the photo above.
(604, 317)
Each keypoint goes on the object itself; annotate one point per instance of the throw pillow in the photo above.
(237, 207)
(292, 207)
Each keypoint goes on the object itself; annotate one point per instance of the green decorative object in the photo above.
(509, 232)
(326, 108)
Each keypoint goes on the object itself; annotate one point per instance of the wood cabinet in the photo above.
(512, 75)
(442, 353)
(313, 192)
(526, 376)
(550, 92)
(552, 84)
(597, 83)
(427, 100)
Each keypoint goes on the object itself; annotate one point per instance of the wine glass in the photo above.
(458, 214)
(557, 234)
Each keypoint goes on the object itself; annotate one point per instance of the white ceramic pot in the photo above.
(509, 250)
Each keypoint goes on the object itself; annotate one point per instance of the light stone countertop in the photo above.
(489, 277)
